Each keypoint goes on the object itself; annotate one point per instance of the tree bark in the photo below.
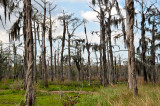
(44, 47)
(50, 40)
(88, 47)
(63, 44)
(115, 70)
(143, 44)
(25, 45)
(30, 94)
(40, 68)
(69, 54)
(35, 53)
(131, 52)
(153, 53)
(111, 80)
(101, 67)
(55, 65)
(102, 34)
(58, 68)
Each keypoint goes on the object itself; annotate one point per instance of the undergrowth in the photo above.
(103, 96)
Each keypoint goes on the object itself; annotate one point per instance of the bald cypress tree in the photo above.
(129, 4)
(30, 94)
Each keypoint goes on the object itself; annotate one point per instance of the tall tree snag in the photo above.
(132, 83)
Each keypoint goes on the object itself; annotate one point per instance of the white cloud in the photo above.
(92, 15)
(89, 15)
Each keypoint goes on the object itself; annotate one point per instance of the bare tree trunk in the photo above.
(153, 54)
(108, 59)
(88, 47)
(30, 93)
(97, 68)
(40, 68)
(131, 52)
(78, 64)
(119, 70)
(143, 44)
(25, 45)
(115, 70)
(101, 68)
(55, 64)
(35, 53)
(69, 54)
(14, 70)
(58, 69)
(111, 80)
(51, 61)
(42, 60)
(82, 69)
(102, 34)
(50, 40)
(48, 69)
(63, 44)
(9, 71)
(44, 48)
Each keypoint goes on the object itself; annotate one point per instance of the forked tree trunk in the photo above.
(63, 44)
(131, 52)
(30, 93)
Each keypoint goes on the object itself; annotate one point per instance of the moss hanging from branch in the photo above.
(15, 29)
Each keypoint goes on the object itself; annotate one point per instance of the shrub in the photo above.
(17, 85)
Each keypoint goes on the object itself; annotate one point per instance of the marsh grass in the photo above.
(118, 94)
(68, 86)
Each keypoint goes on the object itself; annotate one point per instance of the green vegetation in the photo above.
(100, 96)
(120, 95)
(69, 86)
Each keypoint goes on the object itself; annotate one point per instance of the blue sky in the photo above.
(81, 9)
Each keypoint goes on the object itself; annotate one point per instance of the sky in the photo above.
(81, 10)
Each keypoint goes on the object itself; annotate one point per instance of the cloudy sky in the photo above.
(81, 9)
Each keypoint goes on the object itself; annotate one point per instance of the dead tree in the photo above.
(88, 51)
(75, 23)
(43, 40)
(130, 39)
(63, 18)
(50, 38)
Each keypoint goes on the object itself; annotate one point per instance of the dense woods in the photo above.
(37, 57)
